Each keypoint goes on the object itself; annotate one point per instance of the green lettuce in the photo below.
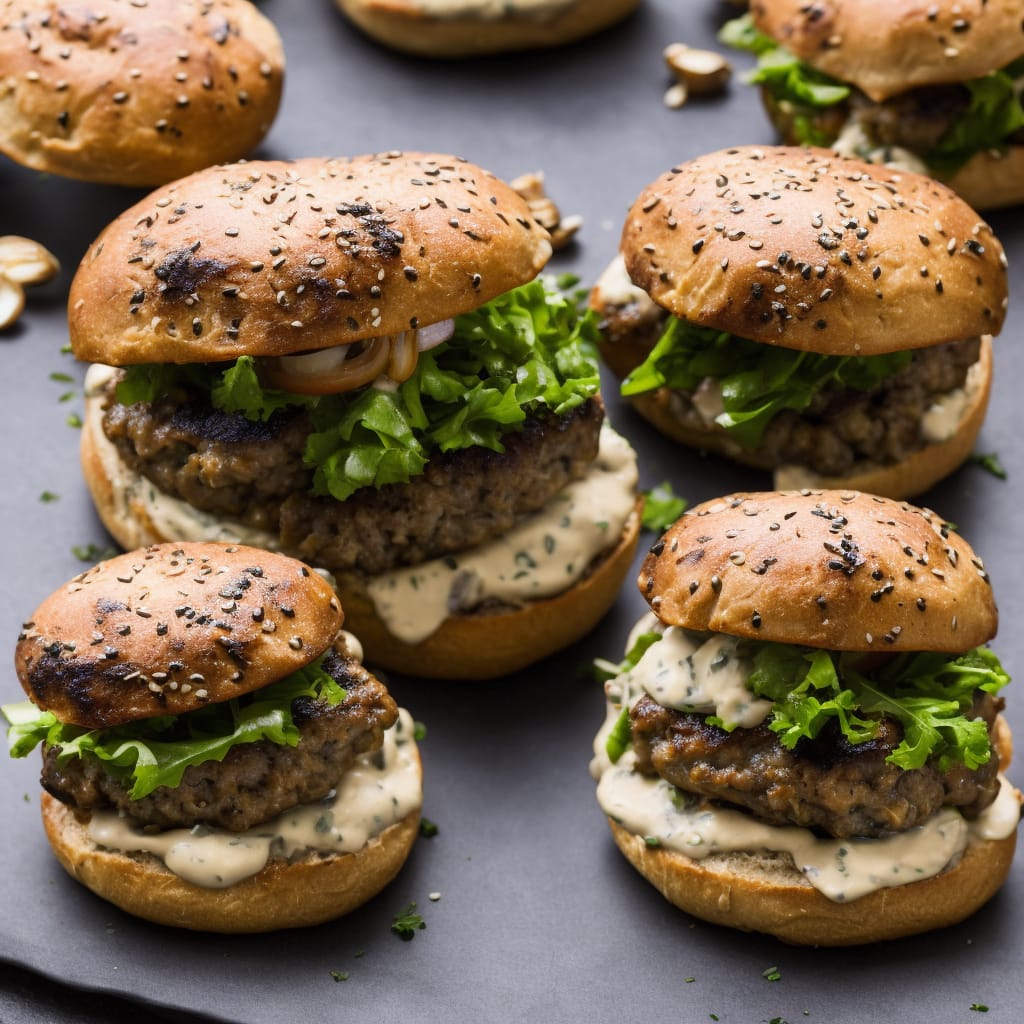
(525, 352)
(155, 752)
(662, 507)
(994, 113)
(927, 693)
(757, 381)
(621, 735)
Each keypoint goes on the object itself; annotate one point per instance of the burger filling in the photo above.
(828, 753)
(934, 129)
(486, 428)
(322, 760)
(782, 407)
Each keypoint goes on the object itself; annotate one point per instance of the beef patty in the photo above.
(255, 781)
(825, 783)
(253, 473)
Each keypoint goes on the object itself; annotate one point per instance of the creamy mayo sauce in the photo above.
(488, 10)
(854, 141)
(541, 556)
(377, 791)
(841, 869)
(615, 288)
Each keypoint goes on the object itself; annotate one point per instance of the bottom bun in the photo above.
(283, 895)
(905, 479)
(764, 892)
(468, 29)
(492, 643)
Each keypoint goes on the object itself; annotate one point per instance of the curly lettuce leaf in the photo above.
(993, 115)
(757, 381)
(156, 751)
(927, 693)
(529, 350)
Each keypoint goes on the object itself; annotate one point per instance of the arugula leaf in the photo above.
(926, 692)
(156, 751)
(757, 381)
(662, 507)
(621, 735)
(524, 352)
(993, 115)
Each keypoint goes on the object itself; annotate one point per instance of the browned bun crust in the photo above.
(913, 475)
(885, 47)
(489, 644)
(206, 268)
(839, 570)
(800, 248)
(991, 180)
(95, 92)
(765, 892)
(465, 32)
(282, 895)
(171, 628)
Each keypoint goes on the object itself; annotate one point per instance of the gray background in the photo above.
(540, 917)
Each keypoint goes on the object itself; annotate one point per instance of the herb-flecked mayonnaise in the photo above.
(543, 555)
(841, 869)
(378, 790)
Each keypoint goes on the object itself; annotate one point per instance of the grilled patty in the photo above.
(825, 784)
(255, 781)
(253, 473)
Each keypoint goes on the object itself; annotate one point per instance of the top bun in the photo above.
(801, 248)
(135, 93)
(885, 47)
(839, 570)
(270, 258)
(171, 628)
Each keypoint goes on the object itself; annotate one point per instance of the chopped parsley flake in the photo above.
(406, 924)
(339, 975)
(92, 552)
(47, 496)
(428, 829)
(990, 463)
(74, 420)
(979, 1007)
(63, 378)
(771, 974)
(419, 731)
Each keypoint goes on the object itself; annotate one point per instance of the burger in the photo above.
(135, 93)
(934, 88)
(805, 738)
(818, 317)
(352, 361)
(215, 756)
(469, 28)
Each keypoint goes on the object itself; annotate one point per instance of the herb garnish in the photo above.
(92, 552)
(339, 975)
(428, 829)
(771, 974)
(662, 507)
(990, 463)
(406, 924)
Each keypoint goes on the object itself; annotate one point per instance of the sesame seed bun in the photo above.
(284, 894)
(885, 47)
(467, 28)
(840, 570)
(135, 94)
(810, 251)
(765, 892)
(171, 628)
(208, 269)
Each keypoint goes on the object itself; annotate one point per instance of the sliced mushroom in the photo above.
(12, 302)
(700, 72)
(24, 261)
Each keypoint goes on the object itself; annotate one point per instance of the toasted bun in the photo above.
(466, 28)
(497, 642)
(207, 268)
(480, 645)
(885, 47)
(991, 180)
(804, 249)
(834, 569)
(171, 628)
(913, 475)
(283, 895)
(765, 892)
(135, 93)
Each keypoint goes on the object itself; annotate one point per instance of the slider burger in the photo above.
(351, 361)
(215, 756)
(821, 318)
(468, 28)
(804, 738)
(135, 93)
(930, 87)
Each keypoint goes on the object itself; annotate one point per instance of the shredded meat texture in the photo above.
(841, 427)
(825, 784)
(256, 781)
(253, 473)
